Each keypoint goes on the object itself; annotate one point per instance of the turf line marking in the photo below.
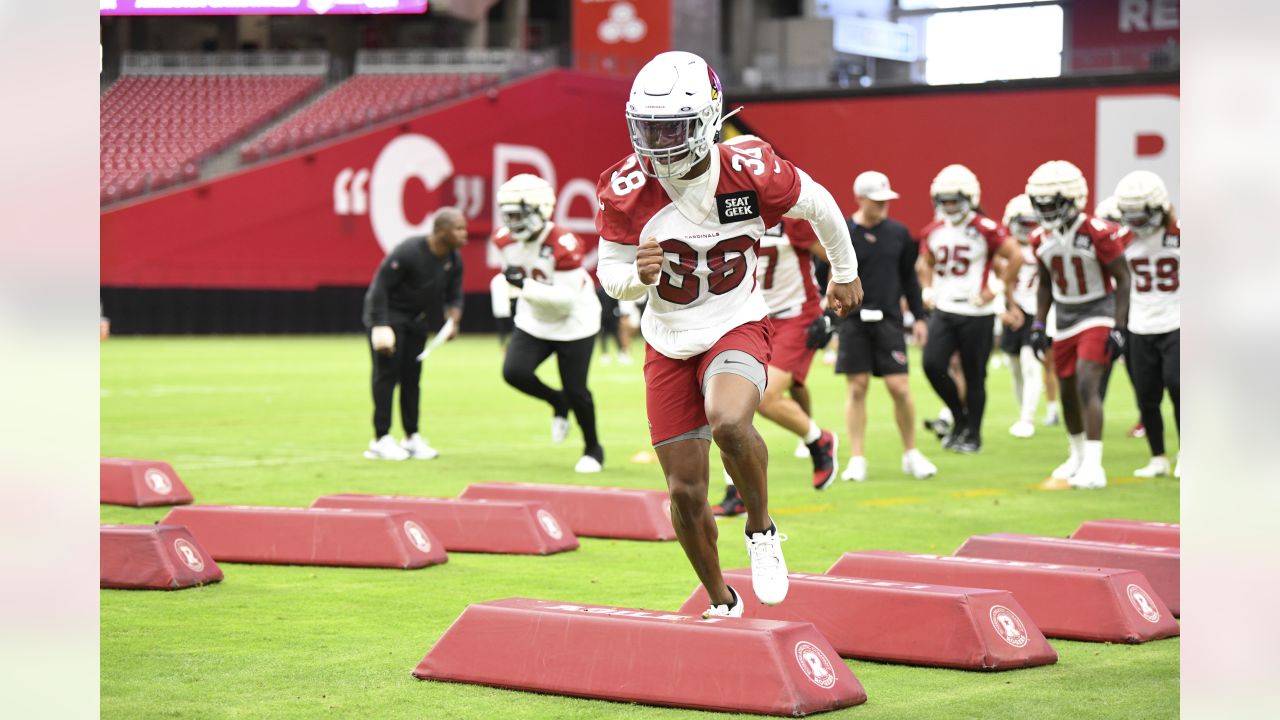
(978, 493)
(890, 501)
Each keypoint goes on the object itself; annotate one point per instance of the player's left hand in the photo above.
(514, 276)
(1117, 339)
(920, 332)
(1013, 317)
(844, 298)
(985, 296)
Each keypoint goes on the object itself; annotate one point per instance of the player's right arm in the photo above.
(621, 253)
(924, 269)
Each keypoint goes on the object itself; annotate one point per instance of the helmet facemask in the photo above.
(1056, 212)
(524, 221)
(1143, 220)
(1022, 226)
(668, 146)
(961, 205)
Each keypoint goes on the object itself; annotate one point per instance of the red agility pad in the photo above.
(140, 483)
(311, 536)
(1160, 565)
(1130, 531)
(1065, 601)
(937, 625)
(607, 512)
(153, 557)
(644, 656)
(488, 526)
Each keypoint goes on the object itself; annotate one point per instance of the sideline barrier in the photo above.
(486, 526)
(1130, 531)
(1159, 565)
(152, 557)
(887, 621)
(1065, 601)
(644, 656)
(310, 536)
(139, 483)
(607, 512)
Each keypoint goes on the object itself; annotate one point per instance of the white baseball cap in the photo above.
(873, 186)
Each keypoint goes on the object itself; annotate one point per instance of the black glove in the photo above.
(819, 331)
(1117, 339)
(1040, 341)
(514, 275)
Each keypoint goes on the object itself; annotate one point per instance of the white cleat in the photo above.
(915, 464)
(385, 448)
(856, 470)
(768, 568)
(1051, 418)
(718, 611)
(559, 429)
(1158, 467)
(418, 448)
(1068, 469)
(1090, 477)
(1023, 429)
(588, 464)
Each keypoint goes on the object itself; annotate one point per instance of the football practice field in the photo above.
(280, 421)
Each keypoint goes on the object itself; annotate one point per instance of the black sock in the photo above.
(771, 529)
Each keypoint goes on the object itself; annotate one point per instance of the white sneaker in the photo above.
(418, 448)
(734, 610)
(1023, 429)
(915, 464)
(1068, 469)
(1090, 477)
(802, 450)
(559, 429)
(856, 470)
(385, 448)
(1177, 468)
(1050, 417)
(1158, 467)
(768, 568)
(625, 360)
(588, 464)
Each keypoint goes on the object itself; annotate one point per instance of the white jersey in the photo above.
(1077, 257)
(785, 270)
(1155, 261)
(558, 301)
(962, 259)
(1024, 293)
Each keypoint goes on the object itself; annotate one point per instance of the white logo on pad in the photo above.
(1142, 602)
(1008, 626)
(548, 523)
(815, 665)
(417, 536)
(158, 481)
(188, 555)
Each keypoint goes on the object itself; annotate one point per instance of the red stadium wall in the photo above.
(1002, 135)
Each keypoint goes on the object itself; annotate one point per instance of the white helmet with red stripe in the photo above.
(674, 113)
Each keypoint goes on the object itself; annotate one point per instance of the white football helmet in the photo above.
(1058, 193)
(674, 113)
(955, 185)
(1108, 210)
(1020, 217)
(526, 203)
(1143, 200)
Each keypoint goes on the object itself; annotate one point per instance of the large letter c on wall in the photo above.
(408, 156)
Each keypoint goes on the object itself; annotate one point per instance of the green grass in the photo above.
(276, 421)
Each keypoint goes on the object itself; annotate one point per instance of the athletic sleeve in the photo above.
(616, 271)
(800, 233)
(817, 206)
(557, 295)
(907, 275)
(994, 233)
(453, 296)
(377, 299)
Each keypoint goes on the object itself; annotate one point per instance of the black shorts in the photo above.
(876, 347)
(1011, 341)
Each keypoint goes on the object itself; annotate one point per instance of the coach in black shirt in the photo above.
(871, 340)
(416, 275)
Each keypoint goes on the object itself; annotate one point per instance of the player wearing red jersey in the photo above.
(680, 221)
(1083, 276)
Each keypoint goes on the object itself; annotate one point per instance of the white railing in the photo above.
(301, 62)
(500, 61)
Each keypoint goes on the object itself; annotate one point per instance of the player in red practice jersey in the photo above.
(680, 221)
(960, 247)
(1083, 276)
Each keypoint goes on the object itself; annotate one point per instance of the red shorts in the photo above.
(673, 388)
(789, 351)
(1090, 344)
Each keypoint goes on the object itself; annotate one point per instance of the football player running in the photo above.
(1083, 276)
(959, 248)
(1153, 249)
(680, 221)
(557, 312)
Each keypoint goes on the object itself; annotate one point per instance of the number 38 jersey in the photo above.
(962, 258)
(1155, 262)
(558, 301)
(709, 230)
(1077, 260)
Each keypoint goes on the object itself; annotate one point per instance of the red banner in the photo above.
(326, 216)
(618, 38)
(1001, 135)
(1122, 34)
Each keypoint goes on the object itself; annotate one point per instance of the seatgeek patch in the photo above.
(738, 206)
